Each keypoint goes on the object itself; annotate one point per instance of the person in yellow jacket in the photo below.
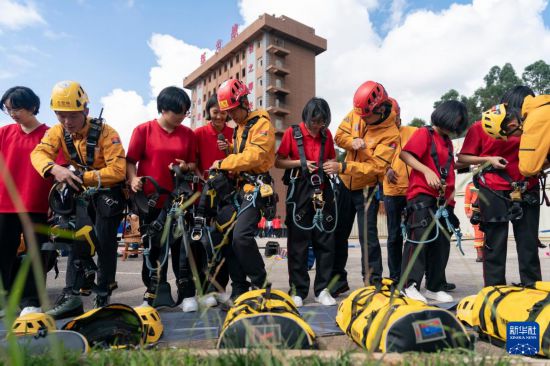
(370, 137)
(396, 182)
(95, 150)
(532, 122)
(470, 205)
(250, 157)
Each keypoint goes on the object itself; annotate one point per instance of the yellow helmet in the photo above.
(492, 120)
(152, 325)
(68, 96)
(33, 323)
(465, 310)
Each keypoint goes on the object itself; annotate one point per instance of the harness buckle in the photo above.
(315, 180)
(109, 201)
(318, 201)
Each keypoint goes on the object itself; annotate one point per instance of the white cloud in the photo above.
(124, 110)
(53, 35)
(15, 15)
(397, 11)
(425, 54)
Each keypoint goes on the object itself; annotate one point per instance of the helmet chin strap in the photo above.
(383, 116)
(518, 118)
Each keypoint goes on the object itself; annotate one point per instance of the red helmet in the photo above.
(369, 96)
(395, 106)
(230, 94)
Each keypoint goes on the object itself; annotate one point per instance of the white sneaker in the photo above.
(298, 301)
(189, 305)
(414, 294)
(441, 296)
(30, 310)
(208, 301)
(325, 298)
(222, 297)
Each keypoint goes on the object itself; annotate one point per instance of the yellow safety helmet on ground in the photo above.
(33, 323)
(152, 325)
(492, 121)
(68, 96)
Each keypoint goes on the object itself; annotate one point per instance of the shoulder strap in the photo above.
(244, 136)
(443, 171)
(71, 148)
(93, 137)
(322, 153)
(299, 138)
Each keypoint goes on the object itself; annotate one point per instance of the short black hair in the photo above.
(173, 99)
(452, 116)
(316, 108)
(21, 97)
(515, 96)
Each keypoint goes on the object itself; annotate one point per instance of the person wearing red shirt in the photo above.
(154, 147)
(429, 153)
(303, 152)
(261, 227)
(207, 136)
(501, 161)
(17, 141)
(471, 204)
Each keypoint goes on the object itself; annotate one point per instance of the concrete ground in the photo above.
(461, 270)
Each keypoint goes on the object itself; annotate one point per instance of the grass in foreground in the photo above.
(169, 357)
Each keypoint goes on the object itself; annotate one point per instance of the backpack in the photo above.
(380, 319)
(494, 307)
(265, 317)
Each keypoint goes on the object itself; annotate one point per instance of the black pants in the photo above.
(155, 254)
(298, 243)
(10, 232)
(245, 259)
(394, 206)
(433, 257)
(106, 228)
(496, 240)
(349, 204)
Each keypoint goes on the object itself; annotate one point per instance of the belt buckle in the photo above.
(248, 197)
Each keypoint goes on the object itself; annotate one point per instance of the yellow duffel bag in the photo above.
(265, 317)
(495, 306)
(380, 319)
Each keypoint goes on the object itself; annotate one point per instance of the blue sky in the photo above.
(105, 44)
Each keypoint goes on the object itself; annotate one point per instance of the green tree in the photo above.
(470, 103)
(450, 95)
(417, 122)
(537, 76)
(497, 82)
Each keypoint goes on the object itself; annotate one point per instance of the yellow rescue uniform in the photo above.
(109, 160)
(364, 167)
(535, 140)
(258, 155)
(399, 167)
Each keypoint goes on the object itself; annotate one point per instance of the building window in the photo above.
(237, 76)
(259, 44)
(204, 97)
(260, 81)
(237, 58)
(243, 72)
(225, 68)
(244, 55)
(204, 81)
(278, 83)
(278, 124)
(260, 62)
(231, 63)
(260, 102)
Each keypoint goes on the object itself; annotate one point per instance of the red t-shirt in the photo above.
(420, 145)
(153, 149)
(478, 143)
(312, 145)
(16, 147)
(276, 223)
(207, 146)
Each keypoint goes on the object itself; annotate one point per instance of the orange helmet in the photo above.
(231, 95)
(395, 106)
(368, 97)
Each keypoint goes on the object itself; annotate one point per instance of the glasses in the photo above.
(11, 111)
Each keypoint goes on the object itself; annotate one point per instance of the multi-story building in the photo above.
(275, 57)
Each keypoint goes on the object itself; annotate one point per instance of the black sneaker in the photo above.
(66, 306)
(447, 286)
(340, 290)
(101, 301)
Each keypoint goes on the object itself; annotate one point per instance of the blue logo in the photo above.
(522, 338)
